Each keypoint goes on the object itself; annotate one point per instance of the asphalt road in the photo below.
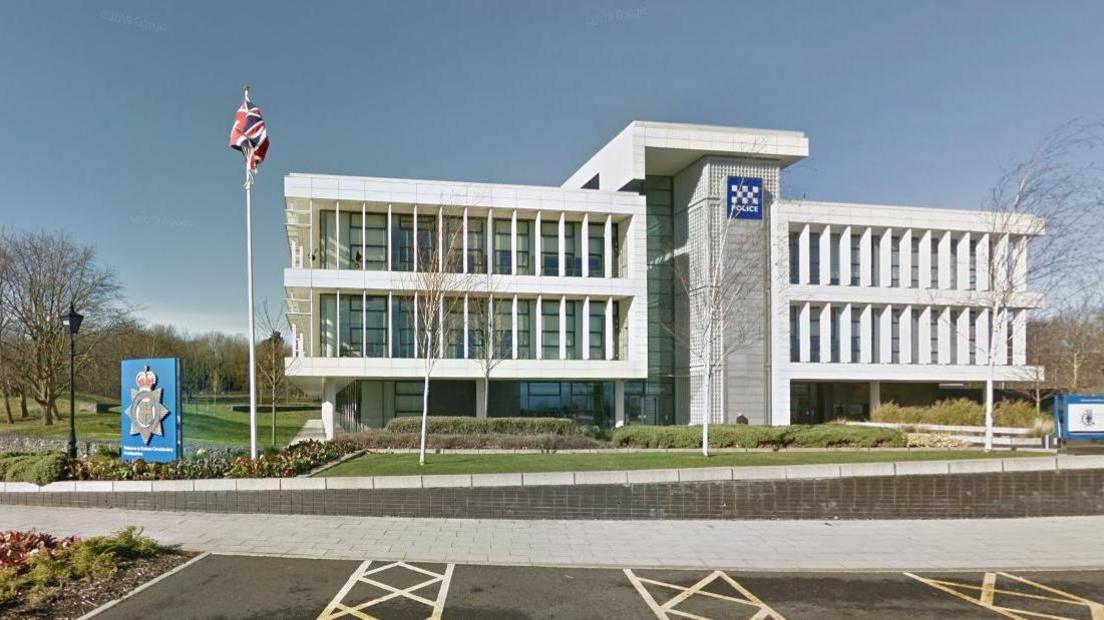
(220, 586)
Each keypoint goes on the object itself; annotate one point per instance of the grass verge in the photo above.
(407, 464)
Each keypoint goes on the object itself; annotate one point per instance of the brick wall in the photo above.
(1021, 494)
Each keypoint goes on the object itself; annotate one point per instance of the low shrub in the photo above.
(748, 436)
(33, 564)
(456, 425)
(388, 440)
(960, 412)
(39, 467)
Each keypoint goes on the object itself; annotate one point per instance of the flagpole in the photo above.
(249, 286)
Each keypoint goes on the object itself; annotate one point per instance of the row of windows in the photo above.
(351, 240)
(898, 277)
(896, 354)
(357, 326)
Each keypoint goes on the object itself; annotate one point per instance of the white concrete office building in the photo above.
(845, 305)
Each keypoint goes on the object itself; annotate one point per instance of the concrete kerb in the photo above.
(616, 477)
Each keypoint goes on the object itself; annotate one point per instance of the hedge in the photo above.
(40, 468)
(747, 436)
(455, 425)
(388, 440)
(961, 412)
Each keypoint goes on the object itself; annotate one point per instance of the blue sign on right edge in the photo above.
(1079, 416)
(745, 198)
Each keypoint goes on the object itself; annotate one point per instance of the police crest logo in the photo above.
(146, 412)
(745, 198)
(1087, 419)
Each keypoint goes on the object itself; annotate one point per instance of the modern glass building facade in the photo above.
(589, 300)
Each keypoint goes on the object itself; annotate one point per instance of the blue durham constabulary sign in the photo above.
(745, 198)
(151, 420)
(1079, 416)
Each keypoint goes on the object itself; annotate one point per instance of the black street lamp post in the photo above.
(72, 321)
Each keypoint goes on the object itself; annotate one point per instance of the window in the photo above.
(795, 334)
(352, 325)
(954, 264)
(596, 250)
(572, 330)
(875, 262)
(352, 233)
(856, 335)
(617, 339)
(914, 278)
(954, 336)
(375, 242)
(934, 243)
(972, 353)
(550, 330)
(572, 245)
(402, 325)
(524, 247)
(795, 258)
(408, 398)
(503, 329)
(934, 337)
(454, 328)
(375, 335)
(814, 333)
(402, 244)
(550, 248)
(327, 325)
(597, 327)
(477, 245)
(525, 328)
(427, 243)
(478, 322)
(894, 260)
(504, 258)
(973, 264)
(895, 335)
(876, 336)
(814, 259)
(856, 262)
(834, 261)
(914, 338)
(837, 316)
(618, 266)
(453, 244)
(327, 239)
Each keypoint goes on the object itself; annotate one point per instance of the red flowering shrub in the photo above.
(16, 546)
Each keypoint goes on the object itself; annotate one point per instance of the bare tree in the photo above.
(439, 290)
(271, 352)
(1050, 207)
(6, 364)
(47, 273)
(490, 341)
(716, 271)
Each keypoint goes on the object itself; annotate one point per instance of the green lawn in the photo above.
(405, 464)
(203, 423)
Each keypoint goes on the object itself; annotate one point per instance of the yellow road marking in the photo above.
(338, 608)
(988, 591)
(667, 610)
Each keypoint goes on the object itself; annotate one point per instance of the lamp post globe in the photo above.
(72, 322)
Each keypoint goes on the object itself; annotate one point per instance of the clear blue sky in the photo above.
(114, 116)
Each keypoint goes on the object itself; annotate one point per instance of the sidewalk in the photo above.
(1006, 544)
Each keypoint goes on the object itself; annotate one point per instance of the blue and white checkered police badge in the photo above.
(745, 198)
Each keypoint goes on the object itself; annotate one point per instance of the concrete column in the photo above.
(866, 257)
(925, 260)
(538, 337)
(885, 344)
(480, 398)
(514, 329)
(875, 395)
(464, 353)
(945, 343)
(1019, 337)
(584, 251)
(619, 403)
(905, 334)
(981, 338)
(963, 340)
(563, 316)
(1000, 339)
(1019, 264)
(390, 336)
(845, 334)
(866, 344)
(538, 247)
(803, 255)
(825, 256)
(962, 264)
(923, 336)
(389, 231)
(999, 280)
(563, 263)
(885, 258)
(488, 238)
(329, 404)
(609, 329)
(982, 267)
(415, 229)
(585, 339)
(803, 333)
(464, 241)
(905, 252)
(945, 261)
(826, 333)
(513, 243)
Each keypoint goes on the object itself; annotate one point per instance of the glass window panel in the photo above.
(477, 244)
(525, 247)
(402, 243)
(503, 255)
(327, 325)
(597, 328)
(596, 250)
(550, 248)
(375, 241)
(550, 330)
(375, 336)
(526, 328)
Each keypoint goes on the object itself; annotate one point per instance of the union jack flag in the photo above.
(249, 135)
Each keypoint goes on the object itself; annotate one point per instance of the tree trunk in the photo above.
(7, 407)
(48, 411)
(486, 394)
(23, 412)
(425, 413)
(274, 418)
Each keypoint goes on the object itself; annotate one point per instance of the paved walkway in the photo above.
(312, 429)
(1009, 544)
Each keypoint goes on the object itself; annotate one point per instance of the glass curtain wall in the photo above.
(596, 250)
(573, 265)
(402, 243)
(597, 327)
(477, 244)
(550, 330)
(573, 329)
(327, 325)
(525, 247)
(402, 326)
(427, 243)
(526, 328)
(550, 248)
(375, 242)
(503, 328)
(327, 239)
(352, 234)
(351, 308)
(503, 262)
(375, 336)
